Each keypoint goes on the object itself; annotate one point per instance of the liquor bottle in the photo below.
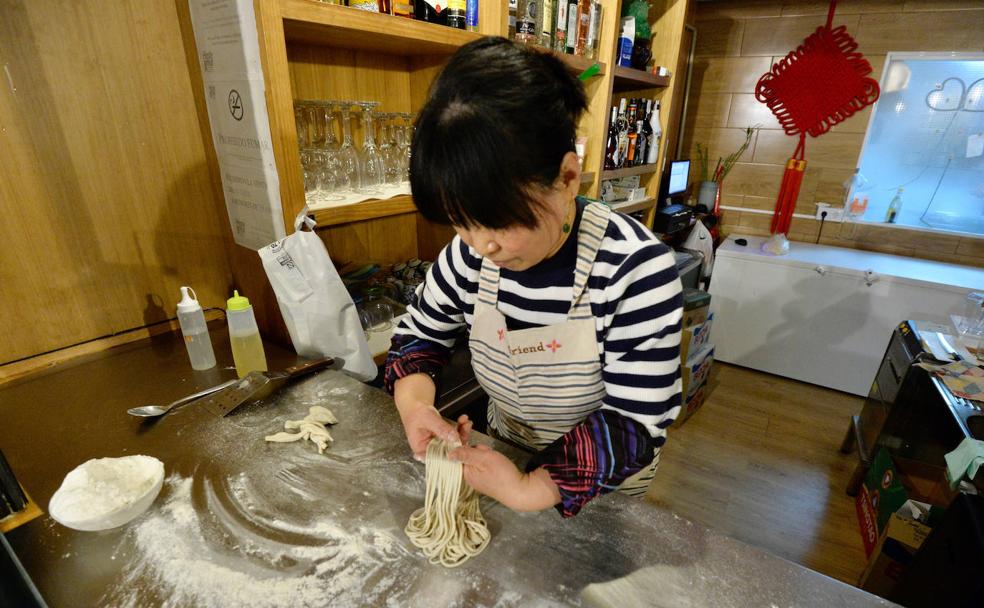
(632, 135)
(384, 7)
(894, 207)
(571, 40)
(471, 16)
(526, 22)
(403, 8)
(560, 27)
(647, 131)
(640, 153)
(371, 6)
(430, 11)
(457, 11)
(623, 133)
(594, 30)
(611, 143)
(583, 25)
(513, 5)
(652, 150)
(547, 24)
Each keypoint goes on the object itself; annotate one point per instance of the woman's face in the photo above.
(521, 248)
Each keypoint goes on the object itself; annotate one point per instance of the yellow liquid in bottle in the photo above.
(247, 352)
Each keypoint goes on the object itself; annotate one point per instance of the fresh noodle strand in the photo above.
(449, 528)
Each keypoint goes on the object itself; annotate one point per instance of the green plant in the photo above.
(640, 10)
(724, 165)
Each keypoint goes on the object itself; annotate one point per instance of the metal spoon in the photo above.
(152, 411)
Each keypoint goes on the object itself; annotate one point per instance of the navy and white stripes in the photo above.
(636, 303)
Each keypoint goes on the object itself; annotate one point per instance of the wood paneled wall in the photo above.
(737, 42)
(107, 199)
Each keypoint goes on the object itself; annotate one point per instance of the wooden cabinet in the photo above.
(312, 50)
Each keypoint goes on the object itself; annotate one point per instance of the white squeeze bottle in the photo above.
(194, 330)
(247, 347)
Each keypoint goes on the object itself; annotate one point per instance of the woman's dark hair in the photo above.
(498, 122)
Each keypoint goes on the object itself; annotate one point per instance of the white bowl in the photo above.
(105, 493)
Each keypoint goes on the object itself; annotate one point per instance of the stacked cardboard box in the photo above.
(696, 351)
(886, 507)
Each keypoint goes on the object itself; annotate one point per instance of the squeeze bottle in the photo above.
(247, 347)
(195, 332)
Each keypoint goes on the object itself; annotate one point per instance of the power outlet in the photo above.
(834, 214)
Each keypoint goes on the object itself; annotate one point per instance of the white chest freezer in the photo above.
(824, 314)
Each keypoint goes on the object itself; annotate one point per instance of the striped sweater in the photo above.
(636, 300)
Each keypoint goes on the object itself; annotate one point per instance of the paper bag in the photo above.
(319, 313)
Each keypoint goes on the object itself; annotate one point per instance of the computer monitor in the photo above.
(673, 187)
(679, 177)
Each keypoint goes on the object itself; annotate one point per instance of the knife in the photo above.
(255, 386)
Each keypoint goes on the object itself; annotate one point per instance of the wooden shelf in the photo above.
(365, 210)
(632, 206)
(340, 26)
(577, 64)
(628, 171)
(628, 79)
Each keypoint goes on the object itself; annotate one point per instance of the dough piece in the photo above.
(321, 414)
(449, 528)
(311, 427)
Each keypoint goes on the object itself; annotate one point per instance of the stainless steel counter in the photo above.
(242, 523)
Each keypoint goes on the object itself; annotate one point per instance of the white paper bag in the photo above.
(700, 240)
(320, 315)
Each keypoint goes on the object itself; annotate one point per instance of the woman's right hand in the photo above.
(422, 423)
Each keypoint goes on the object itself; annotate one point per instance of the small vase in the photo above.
(707, 195)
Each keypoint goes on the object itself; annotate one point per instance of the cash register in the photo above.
(671, 214)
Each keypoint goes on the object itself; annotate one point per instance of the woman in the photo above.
(572, 311)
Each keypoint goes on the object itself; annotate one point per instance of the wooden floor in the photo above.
(760, 462)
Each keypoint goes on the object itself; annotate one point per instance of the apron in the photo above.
(543, 381)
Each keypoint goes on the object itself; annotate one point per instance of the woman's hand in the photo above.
(492, 474)
(422, 423)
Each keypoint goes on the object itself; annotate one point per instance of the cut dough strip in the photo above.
(311, 427)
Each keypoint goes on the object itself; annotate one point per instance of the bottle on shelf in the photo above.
(571, 40)
(583, 25)
(431, 11)
(652, 149)
(526, 22)
(594, 31)
(195, 331)
(623, 133)
(894, 207)
(560, 27)
(647, 132)
(547, 23)
(471, 15)
(244, 336)
(640, 153)
(611, 142)
(403, 8)
(513, 7)
(631, 134)
(457, 11)
(384, 6)
(371, 6)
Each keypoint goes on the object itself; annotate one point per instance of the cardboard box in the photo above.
(694, 338)
(881, 494)
(897, 544)
(691, 404)
(694, 372)
(696, 306)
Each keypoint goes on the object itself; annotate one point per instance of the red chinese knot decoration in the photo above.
(821, 83)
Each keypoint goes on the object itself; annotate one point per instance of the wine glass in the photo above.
(389, 148)
(406, 138)
(331, 178)
(373, 171)
(308, 167)
(348, 158)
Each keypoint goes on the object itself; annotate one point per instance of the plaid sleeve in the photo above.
(409, 354)
(594, 458)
